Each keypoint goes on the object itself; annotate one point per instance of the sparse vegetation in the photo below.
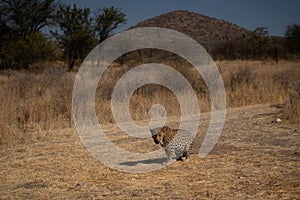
(209, 32)
(41, 101)
(252, 160)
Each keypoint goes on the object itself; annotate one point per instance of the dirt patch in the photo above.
(253, 159)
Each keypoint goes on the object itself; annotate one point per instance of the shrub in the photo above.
(24, 51)
(242, 76)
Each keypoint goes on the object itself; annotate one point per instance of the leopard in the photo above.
(176, 142)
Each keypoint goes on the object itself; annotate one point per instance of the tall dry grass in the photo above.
(35, 101)
(258, 82)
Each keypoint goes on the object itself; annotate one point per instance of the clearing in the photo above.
(253, 159)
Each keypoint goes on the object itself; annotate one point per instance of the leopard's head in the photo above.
(162, 135)
(157, 136)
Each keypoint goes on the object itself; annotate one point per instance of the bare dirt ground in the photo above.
(253, 159)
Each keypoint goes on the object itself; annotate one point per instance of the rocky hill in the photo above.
(208, 31)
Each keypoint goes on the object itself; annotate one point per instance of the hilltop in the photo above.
(208, 31)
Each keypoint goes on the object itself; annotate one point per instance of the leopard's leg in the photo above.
(186, 154)
(179, 158)
(169, 156)
(179, 154)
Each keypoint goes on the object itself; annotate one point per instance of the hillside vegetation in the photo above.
(224, 40)
(209, 32)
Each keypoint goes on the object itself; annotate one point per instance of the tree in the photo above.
(26, 17)
(79, 32)
(107, 20)
(253, 45)
(28, 50)
(21, 22)
(292, 36)
(75, 36)
(259, 39)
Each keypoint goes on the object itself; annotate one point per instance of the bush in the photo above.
(242, 76)
(21, 52)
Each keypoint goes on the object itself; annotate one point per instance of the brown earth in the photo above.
(253, 159)
(208, 31)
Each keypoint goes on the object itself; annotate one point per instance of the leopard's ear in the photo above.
(165, 128)
(152, 132)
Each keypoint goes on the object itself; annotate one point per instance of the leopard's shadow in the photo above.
(148, 161)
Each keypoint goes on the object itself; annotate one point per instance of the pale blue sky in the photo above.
(274, 14)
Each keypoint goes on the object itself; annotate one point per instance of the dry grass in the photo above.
(257, 82)
(41, 100)
(254, 159)
(34, 102)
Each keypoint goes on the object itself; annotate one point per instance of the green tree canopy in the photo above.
(75, 35)
(26, 17)
(21, 22)
(107, 20)
(79, 31)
